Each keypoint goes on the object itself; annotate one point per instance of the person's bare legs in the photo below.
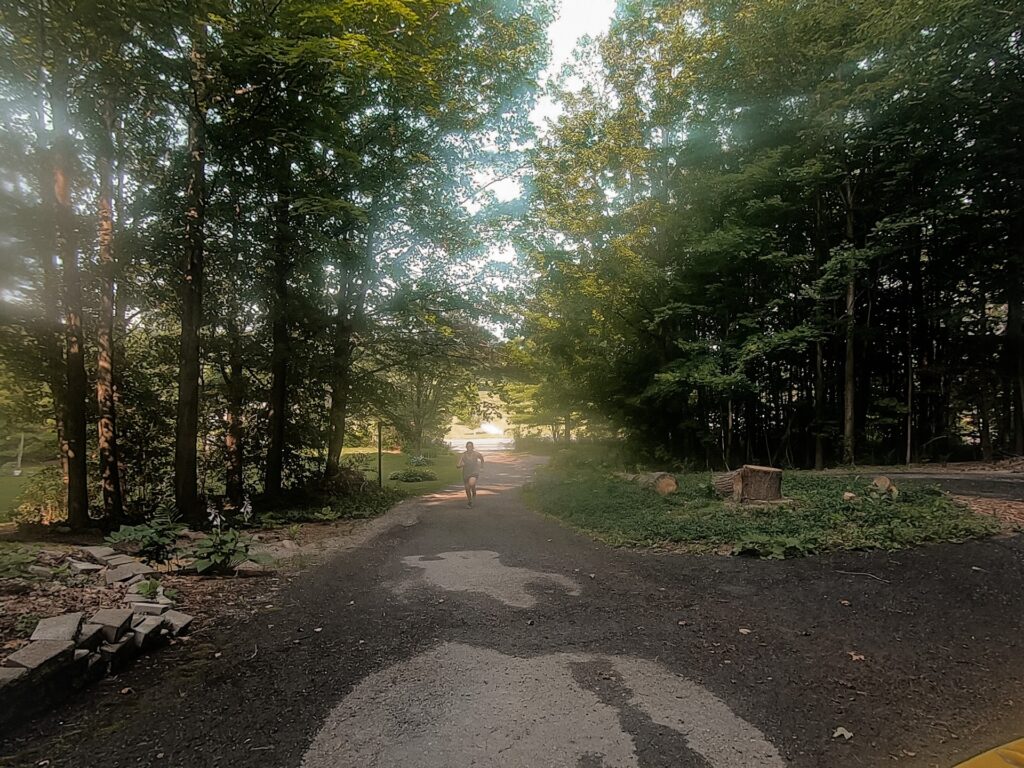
(470, 489)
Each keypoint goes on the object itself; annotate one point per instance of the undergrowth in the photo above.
(816, 517)
(371, 502)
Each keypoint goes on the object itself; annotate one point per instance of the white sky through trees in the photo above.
(575, 19)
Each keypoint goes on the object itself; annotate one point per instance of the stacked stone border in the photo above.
(69, 652)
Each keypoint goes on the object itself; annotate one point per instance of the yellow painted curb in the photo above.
(1011, 754)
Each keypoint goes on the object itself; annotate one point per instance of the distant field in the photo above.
(443, 466)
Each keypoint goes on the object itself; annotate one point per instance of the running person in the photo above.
(470, 463)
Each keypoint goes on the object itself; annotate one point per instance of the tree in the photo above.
(752, 225)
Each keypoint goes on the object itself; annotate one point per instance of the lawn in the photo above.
(10, 488)
(443, 466)
(815, 519)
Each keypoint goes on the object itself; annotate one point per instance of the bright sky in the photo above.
(575, 19)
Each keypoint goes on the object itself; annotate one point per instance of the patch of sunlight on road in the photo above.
(482, 571)
(459, 706)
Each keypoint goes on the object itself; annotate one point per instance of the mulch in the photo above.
(1010, 514)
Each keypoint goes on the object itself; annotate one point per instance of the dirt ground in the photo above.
(210, 599)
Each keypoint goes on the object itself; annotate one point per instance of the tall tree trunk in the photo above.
(349, 318)
(850, 379)
(52, 321)
(820, 257)
(1015, 351)
(340, 386)
(234, 479)
(76, 382)
(234, 475)
(280, 339)
(819, 404)
(110, 476)
(191, 291)
(984, 424)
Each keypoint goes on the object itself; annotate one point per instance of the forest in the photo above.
(787, 233)
(237, 234)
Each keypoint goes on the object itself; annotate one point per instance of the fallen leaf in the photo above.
(842, 732)
(854, 656)
(744, 631)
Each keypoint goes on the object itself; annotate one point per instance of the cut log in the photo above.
(729, 485)
(750, 483)
(661, 483)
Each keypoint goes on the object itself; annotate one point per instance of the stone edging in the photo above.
(69, 652)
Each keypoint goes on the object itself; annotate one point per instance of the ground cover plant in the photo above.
(819, 516)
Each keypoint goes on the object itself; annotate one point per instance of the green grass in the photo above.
(443, 466)
(10, 488)
(817, 519)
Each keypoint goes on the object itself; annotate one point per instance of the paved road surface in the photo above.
(493, 637)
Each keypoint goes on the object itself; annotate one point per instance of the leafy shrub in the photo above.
(420, 461)
(14, 561)
(370, 503)
(360, 462)
(43, 499)
(413, 475)
(154, 541)
(223, 549)
(349, 480)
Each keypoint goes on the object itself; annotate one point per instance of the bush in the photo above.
(420, 461)
(222, 550)
(154, 541)
(371, 502)
(413, 475)
(43, 501)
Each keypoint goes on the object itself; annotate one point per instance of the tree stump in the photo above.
(750, 483)
(661, 483)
